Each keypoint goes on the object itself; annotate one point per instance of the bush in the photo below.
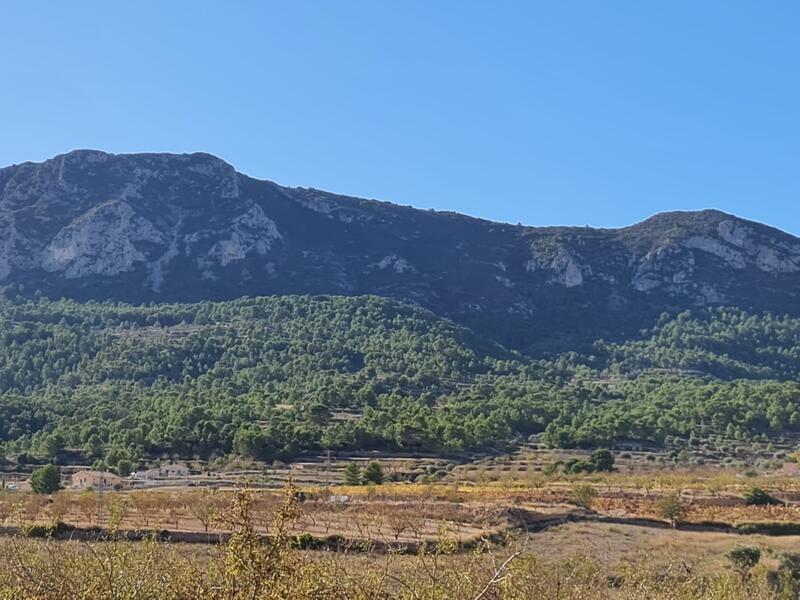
(577, 465)
(757, 496)
(124, 467)
(790, 563)
(743, 559)
(552, 468)
(602, 460)
(769, 528)
(583, 496)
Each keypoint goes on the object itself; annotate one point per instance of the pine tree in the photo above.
(352, 474)
(45, 480)
(373, 473)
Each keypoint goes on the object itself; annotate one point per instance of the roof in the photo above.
(89, 473)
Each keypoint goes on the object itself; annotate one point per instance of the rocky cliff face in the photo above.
(158, 227)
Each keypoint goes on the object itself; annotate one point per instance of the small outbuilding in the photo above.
(791, 469)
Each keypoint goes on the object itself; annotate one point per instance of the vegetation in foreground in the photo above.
(249, 567)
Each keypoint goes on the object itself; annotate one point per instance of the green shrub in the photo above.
(769, 528)
(743, 559)
(602, 460)
(757, 496)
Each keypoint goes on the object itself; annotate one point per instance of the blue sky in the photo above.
(597, 113)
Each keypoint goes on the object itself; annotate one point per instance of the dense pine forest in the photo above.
(272, 378)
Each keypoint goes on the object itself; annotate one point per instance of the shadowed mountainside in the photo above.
(163, 227)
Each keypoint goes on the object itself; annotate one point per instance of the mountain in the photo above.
(158, 304)
(164, 227)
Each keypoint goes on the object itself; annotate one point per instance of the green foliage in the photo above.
(574, 466)
(124, 467)
(373, 473)
(671, 508)
(352, 474)
(723, 342)
(46, 480)
(743, 559)
(269, 378)
(53, 445)
(757, 496)
(602, 460)
(769, 528)
(789, 573)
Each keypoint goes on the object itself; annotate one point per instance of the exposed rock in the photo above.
(504, 281)
(732, 258)
(251, 232)
(159, 227)
(100, 242)
(396, 263)
(565, 269)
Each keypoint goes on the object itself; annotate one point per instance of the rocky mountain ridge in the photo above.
(164, 227)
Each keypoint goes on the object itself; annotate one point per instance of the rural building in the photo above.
(98, 480)
(164, 472)
(791, 468)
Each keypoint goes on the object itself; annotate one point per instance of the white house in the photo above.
(171, 471)
(98, 480)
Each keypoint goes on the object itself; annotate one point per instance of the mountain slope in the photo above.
(161, 227)
(271, 377)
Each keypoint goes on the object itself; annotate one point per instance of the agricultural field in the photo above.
(590, 535)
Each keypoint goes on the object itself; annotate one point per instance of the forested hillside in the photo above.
(725, 343)
(278, 376)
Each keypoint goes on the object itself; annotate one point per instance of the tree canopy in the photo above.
(273, 377)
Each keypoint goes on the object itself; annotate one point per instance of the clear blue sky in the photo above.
(578, 112)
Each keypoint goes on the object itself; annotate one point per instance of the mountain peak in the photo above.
(156, 226)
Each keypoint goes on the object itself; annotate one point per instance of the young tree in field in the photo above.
(144, 505)
(743, 559)
(352, 474)
(173, 511)
(671, 508)
(398, 522)
(204, 506)
(117, 511)
(583, 495)
(6, 507)
(46, 480)
(86, 503)
(33, 507)
(373, 473)
(59, 508)
(329, 515)
(161, 503)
